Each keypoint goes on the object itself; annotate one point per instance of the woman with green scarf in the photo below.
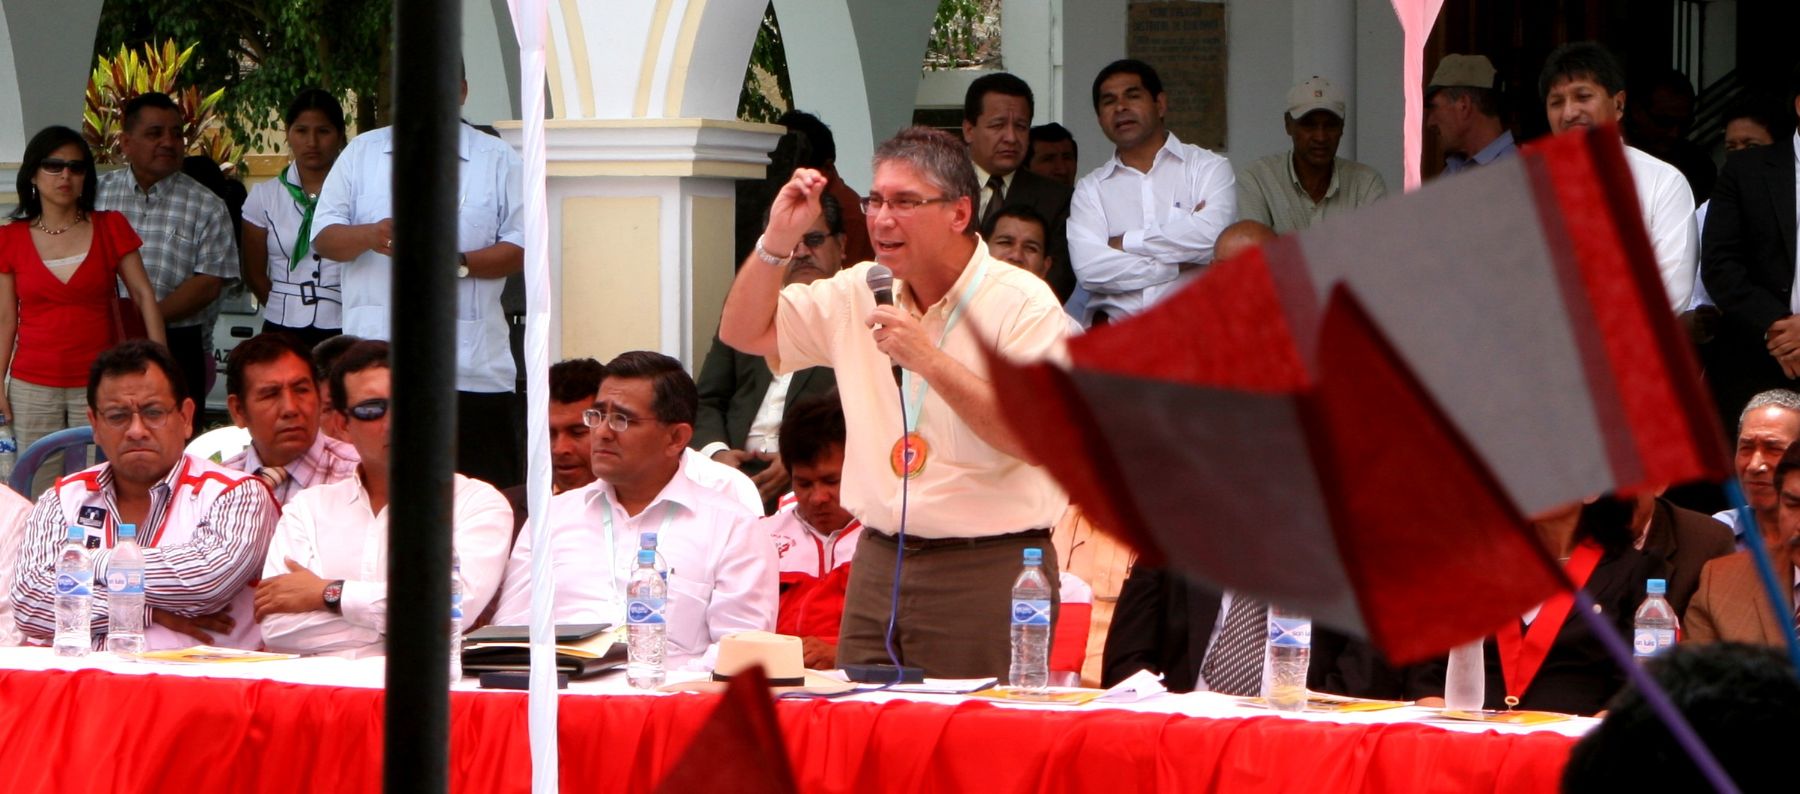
(297, 287)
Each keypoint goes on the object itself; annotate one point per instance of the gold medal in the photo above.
(908, 457)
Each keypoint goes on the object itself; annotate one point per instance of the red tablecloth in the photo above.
(106, 732)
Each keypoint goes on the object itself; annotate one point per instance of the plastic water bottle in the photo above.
(1289, 653)
(645, 632)
(1030, 626)
(125, 595)
(74, 596)
(9, 447)
(1656, 623)
(1465, 680)
(456, 618)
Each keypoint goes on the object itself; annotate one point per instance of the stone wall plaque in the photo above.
(1186, 42)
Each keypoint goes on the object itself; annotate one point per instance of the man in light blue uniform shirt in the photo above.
(354, 224)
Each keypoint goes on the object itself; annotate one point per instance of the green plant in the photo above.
(118, 79)
(767, 73)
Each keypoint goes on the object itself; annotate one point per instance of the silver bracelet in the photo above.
(763, 254)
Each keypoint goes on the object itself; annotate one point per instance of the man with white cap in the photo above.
(1293, 190)
(1463, 107)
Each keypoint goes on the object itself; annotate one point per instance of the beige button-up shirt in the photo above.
(967, 488)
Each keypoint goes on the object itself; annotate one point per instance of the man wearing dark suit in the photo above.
(997, 126)
(1730, 604)
(740, 415)
(1684, 540)
(1165, 623)
(1747, 263)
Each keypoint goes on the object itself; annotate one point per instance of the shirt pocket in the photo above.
(478, 222)
(687, 603)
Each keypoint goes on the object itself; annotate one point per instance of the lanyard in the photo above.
(612, 551)
(915, 397)
(1522, 653)
(307, 205)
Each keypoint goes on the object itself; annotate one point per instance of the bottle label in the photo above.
(125, 582)
(1290, 632)
(1651, 642)
(644, 611)
(1031, 612)
(80, 584)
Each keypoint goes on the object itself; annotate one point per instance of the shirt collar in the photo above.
(1171, 147)
(164, 486)
(1494, 149)
(1330, 189)
(981, 179)
(956, 290)
(679, 491)
(463, 141)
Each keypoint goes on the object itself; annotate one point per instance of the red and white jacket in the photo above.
(204, 541)
(815, 569)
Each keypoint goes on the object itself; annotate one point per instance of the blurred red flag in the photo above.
(1353, 421)
(740, 743)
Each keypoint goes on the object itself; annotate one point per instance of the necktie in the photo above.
(997, 185)
(1234, 664)
(272, 476)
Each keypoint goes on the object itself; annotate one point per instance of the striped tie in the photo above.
(1234, 664)
(997, 184)
(272, 476)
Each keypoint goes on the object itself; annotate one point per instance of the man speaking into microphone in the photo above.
(945, 470)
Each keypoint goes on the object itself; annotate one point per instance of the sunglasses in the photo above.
(56, 165)
(369, 410)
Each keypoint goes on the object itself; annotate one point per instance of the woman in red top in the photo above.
(60, 265)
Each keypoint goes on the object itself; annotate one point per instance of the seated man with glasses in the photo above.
(946, 470)
(204, 528)
(325, 585)
(721, 569)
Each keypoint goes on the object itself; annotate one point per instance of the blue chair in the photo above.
(73, 442)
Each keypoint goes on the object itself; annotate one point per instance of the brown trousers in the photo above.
(955, 616)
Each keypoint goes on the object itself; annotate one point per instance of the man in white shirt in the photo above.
(353, 224)
(742, 402)
(1583, 86)
(272, 389)
(1152, 212)
(324, 587)
(721, 569)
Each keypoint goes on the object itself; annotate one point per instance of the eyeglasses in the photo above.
(618, 423)
(369, 410)
(898, 207)
(814, 239)
(154, 416)
(56, 165)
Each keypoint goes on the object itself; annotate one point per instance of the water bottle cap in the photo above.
(1657, 586)
(646, 557)
(647, 540)
(127, 531)
(76, 532)
(1034, 556)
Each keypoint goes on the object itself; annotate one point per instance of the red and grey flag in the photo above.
(1354, 421)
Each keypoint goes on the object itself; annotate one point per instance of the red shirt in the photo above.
(64, 327)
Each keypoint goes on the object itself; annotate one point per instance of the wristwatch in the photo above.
(462, 265)
(334, 597)
(765, 255)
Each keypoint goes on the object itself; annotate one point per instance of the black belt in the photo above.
(923, 544)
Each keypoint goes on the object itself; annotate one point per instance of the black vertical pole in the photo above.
(427, 107)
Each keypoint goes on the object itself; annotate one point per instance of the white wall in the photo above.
(491, 59)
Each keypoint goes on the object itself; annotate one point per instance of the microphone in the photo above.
(881, 282)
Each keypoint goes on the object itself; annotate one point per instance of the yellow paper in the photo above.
(1063, 697)
(207, 654)
(1507, 717)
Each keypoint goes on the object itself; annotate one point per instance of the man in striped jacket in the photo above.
(205, 529)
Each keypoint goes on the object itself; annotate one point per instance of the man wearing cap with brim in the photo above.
(1296, 189)
(1462, 106)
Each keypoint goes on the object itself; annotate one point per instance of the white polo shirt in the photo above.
(488, 206)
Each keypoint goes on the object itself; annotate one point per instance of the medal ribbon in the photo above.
(915, 397)
(1522, 653)
(303, 243)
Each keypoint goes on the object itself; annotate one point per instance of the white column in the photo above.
(1325, 45)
